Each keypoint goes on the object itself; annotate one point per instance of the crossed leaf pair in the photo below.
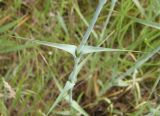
(72, 50)
(86, 49)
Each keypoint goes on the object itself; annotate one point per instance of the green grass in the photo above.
(109, 83)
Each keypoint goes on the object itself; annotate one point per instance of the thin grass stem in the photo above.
(90, 28)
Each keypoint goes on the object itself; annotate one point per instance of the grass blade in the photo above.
(154, 87)
(92, 49)
(108, 18)
(3, 109)
(66, 47)
(137, 65)
(146, 22)
(9, 26)
(12, 46)
(67, 87)
(141, 9)
(74, 104)
(62, 23)
(140, 62)
(90, 28)
(76, 7)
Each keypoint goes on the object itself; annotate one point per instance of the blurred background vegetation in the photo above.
(28, 71)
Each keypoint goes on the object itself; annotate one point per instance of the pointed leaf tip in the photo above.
(66, 47)
(92, 49)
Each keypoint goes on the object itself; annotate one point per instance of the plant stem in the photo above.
(73, 76)
(108, 18)
(90, 28)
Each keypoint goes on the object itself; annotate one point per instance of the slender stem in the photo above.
(73, 77)
(70, 96)
(90, 28)
(108, 18)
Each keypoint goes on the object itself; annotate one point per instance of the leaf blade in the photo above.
(66, 88)
(12, 46)
(92, 49)
(139, 6)
(137, 65)
(74, 104)
(9, 25)
(65, 47)
(146, 22)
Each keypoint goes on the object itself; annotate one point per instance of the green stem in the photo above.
(108, 18)
(73, 77)
(90, 28)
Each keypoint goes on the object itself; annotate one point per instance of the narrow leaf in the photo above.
(108, 18)
(76, 7)
(3, 109)
(74, 104)
(92, 49)
(66, 47)
(141, 9)
(93, 21)
(9, 26)
(140, 62)
(146, 22)
(137, 65)
(62, 23)
(66, 88)
(12, 46)
(154, 87)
